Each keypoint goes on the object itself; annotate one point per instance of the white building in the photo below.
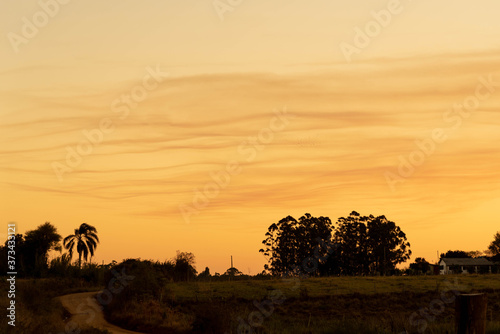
(464, 265)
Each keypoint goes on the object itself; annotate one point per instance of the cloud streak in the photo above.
(350, 127)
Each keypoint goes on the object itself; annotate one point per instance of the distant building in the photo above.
(465, 266)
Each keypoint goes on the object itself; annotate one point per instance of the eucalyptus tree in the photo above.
(293, 245)
(370, 244)
(494, 247)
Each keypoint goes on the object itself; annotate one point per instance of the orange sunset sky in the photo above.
(350, 119)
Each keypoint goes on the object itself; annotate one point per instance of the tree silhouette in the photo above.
(31, 250)
(351, 235)
(231, 272)
(85, 240)
(387, 244)
(290, 243)
(37, 245)
(420, 266)
(494, 247)
(456, 254)
(205, 273)
(370, 244)
(184, 269)
(280, 245)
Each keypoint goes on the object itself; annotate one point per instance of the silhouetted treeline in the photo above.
(356, 245)
(29, 253)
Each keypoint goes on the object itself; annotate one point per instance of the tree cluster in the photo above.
(493, 251)
(356, 245)
(31, 250)
(420, 266)
(494, 247)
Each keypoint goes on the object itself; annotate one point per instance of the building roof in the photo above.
(480, 261)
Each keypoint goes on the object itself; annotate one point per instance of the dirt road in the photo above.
(85, 312)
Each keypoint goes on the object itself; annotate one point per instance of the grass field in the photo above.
(320, 287)
(415, 304)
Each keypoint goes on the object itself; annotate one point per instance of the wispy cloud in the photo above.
(350, 127)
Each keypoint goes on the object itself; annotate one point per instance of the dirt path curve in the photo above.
(85, 311)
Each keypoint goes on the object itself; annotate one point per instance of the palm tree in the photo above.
(85, 239)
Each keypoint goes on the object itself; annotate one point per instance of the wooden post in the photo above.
(470, 313)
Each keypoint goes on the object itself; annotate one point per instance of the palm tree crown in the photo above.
(85, 239)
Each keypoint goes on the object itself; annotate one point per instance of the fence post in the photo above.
(470, 313)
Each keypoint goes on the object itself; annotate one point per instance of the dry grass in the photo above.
(315, 305)
(318, 287)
